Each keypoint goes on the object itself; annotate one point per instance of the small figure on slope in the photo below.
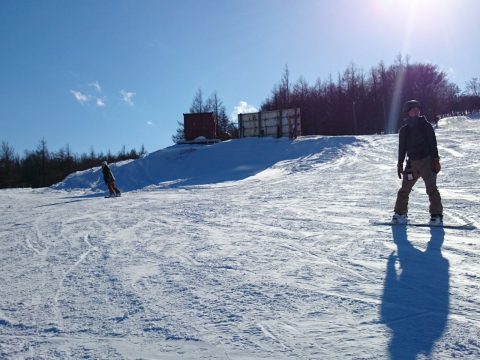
(417, 141)
(109, 180)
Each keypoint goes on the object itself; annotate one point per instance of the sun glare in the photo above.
(428, 13)
(421, 18)
(418, 22)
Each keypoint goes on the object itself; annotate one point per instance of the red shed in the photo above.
(199, 124)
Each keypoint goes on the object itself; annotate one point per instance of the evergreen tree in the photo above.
(41, 167)
(180, 134)
(7, 165)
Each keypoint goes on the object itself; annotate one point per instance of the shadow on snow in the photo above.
(415, 303)
(74, 199)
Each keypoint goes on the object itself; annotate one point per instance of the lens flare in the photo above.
(427, 20)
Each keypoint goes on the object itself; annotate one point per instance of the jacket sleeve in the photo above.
(432, 140)
(402, 145)
(107, 175)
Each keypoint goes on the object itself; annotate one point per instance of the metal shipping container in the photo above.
(199, 124)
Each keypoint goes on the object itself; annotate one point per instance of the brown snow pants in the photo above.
(112, 188)
(420, 169)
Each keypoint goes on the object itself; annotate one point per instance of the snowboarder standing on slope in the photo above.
(109, 180)
(417, 141)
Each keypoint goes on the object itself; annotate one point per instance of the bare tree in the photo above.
(367, 103)
(197, 104)
(225, 128)
(285, 87)
(215, 105)
(42, 151)
(473, 87)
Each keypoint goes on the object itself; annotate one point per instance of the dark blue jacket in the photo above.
(107, 174)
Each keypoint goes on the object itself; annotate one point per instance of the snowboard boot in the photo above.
(399, 218)
(436, 219)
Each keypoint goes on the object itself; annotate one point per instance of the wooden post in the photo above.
(240, 126)
(279, 125)
(260, 132)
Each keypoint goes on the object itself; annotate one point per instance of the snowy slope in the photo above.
(182, 165)
(249, 249)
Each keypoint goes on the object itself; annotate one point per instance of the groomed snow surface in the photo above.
(247, 249)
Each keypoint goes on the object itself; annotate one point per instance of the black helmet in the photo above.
(410, 104)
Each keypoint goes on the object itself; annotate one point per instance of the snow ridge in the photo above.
(187, 165)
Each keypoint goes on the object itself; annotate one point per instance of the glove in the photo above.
(436, 166)
(399, 170)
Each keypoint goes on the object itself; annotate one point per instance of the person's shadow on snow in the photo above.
(415, 303)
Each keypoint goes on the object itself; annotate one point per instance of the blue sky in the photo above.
(103, 74)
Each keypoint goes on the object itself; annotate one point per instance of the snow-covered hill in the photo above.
(182, 165)
(249, 249)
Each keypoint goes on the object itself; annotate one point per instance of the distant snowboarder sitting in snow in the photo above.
(109, 180)
(417, 141)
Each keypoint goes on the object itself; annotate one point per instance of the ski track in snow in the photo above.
(282, 264)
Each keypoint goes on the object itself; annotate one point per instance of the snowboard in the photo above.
(467, 226)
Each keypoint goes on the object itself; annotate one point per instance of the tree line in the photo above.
(359, 102)
(356, 101)
(41, 167)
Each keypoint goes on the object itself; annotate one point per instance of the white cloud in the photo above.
(242, 108)
(127, 97)
(80, 97)
(101, 102)
(149, 123)
(96, 86)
